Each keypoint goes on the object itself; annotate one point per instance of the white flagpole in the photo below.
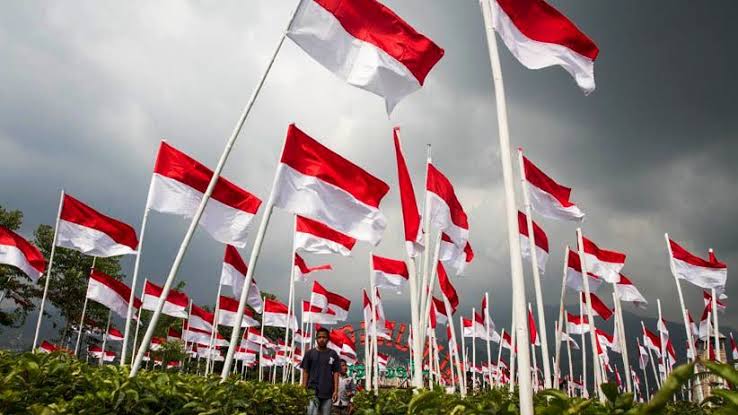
(474, 350)
(621, 337)
(367, 380)
(536, 276)
(436, 357)
(464, 360)
(105, 338)
(661, 340)
(375, 366)
(715, 321)
(643, 370)
(571, 366)
(499, 353)
(138, 325)
(513, 355)
(486, 324)
(261, 349)
(592, 335)
(426, 234)
(584, 347)
(560, 327)
(196, 218)
(136, 268)
(535, 360)
(48, 274)
(84, 311)
(433, 272)
(452, 362)
(450, 318)
(291, 294)
(650, 356)
(209, 359)
(516, 263)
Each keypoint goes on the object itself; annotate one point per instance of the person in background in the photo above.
(320, 368)
(346, 391)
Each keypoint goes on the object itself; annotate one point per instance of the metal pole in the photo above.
(592, 334)
(621, 337)
(289, 298)
(561, 319)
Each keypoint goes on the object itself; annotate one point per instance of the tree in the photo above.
(17, 285)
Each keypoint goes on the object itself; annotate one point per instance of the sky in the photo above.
(89, 90)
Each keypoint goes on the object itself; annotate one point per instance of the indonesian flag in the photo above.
(671, 352)
(110, 292)
(628, 292)
(315, 314)
(642, 357)
(114, 335)
(303, 269)
(389, 273)
(254, 335)
(487, 320)
(574, 278)
(705, 323)
(707, 297)
(47, 347)
(453, 256)
(447, 289)
(156, 343)
(565, 337)
(608, 340)
(540, 238)
(598, 306)
(275, 315)
(576, 324)
(97, 351)
(540, 36)
(692, 325)
(86, 230)
(652, 341)
(532, 329)
(196, 335)
(178, 185)
(175, 305)
(227, 309)
(379, 307)
(382, 360)
(661, 327)
(606, 264)
(339, 305)
(733, 347)
(317, 183)
(266, 361)
(319, 296)
(16, 251)
(301, 337)
(348, 350)
(367, 45)
(410, 213)
(549, 198)
(201, 318)
(446, 212)
(173, 334)
(317, 238)
(507, 341)
(468, 328)
(233, 273)
(439, 309)
(173, 364)
(702, 273)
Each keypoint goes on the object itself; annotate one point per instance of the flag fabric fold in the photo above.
(303, 270)
(389, 273)
(317, 238)
(275, 315)
(574, 278)
(233, 273)
(549, 198)
(602, 262)
(446, 212)
(628, 292)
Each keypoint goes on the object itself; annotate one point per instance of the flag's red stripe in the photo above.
(541, 238)
(273, 306)
(390, 266)
(322, 230)
(231, 304)
(77, 212)
(32, 254)
(539, 179)
(437, 183)
(372, 22)
(118, 286)
(538, 21)
(175, 297)
(202, 313)
(447, 288)
(309, 157)
(233, 258)
(410, 213)
(603, 254)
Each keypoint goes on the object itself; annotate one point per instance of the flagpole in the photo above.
(715, 321)
(560, 326)
(499, 353)
(452, 362)
(643, 370)
(138, 325)
(486, 326)
(105, 337)
(474, 349)
(428, 289)
(261, 348)
(621, 337)
(650, 355)
(208, 367)
(426, 235)
(367, 381)
(414, 318)
(375, 366)
(48, 273)
(584, 346)
(291, 293)
(436, 357)
(198, 214)
(571, 367)
(661, 339)
(464, 367)
(84, 310)
(516, 264)
(513, 354)
(593, 335)
(449, 317)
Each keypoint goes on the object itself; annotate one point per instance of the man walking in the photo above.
(346, 391)
(320, 368)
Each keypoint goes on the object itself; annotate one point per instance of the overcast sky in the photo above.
(87, 91)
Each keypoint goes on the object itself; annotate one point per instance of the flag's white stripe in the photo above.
(114, 338)
(198, 323)
(228, 318)
(536, 55)
(359, 63)
(151, 301)
(318, 300)
(573, 328)
(546, 205)
(541, 255)
(224, 223)
(89, 241)
(575, 282)
(608, 271)
(314, 244)
(700, 276)
(631, 294)
(278, 320)
(11, 255)
(231, 276)
(440, 215)
(385, 280)
(315, 199)
(108, 297)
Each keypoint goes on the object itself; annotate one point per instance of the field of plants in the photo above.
(59, 384)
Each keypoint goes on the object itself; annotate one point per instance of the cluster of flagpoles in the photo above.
(336, 203)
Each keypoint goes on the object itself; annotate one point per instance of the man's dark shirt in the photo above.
(321, 365)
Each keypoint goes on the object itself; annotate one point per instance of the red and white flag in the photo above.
(540, 238)
(196, 335)
(339, 305)
(540, 36)
(173, 334)
(227, 309)
(233, 273)
(175, 305)
(576, 324)
(317, 238)
(173, 364)
(178, 185)
(601, 262)
(705, 328)
(410, 212)
(707, 297)
(733, 347)
(692, 325)
(652, 341)
(440, 310)
(643, 357)
(532, 328)
(703, 273)
(319, 296)
(114, 335)
(335, 341)
(317, 315)
(389, 273)
(86, 230)
(96, 352)
(156, 343)
(110, 292)
(446, 212)
(315, 182)
(367, 45)
(302, 270)
(453, 256)
(16, 251)
(549, 198)
(574, 278)
(201, 318)
(382, 360)
(275, 315)
(565, 337)
(254, 335)
(608, 340)
(507, 341)
(47, 347)
(628, 292)
(598, 306)
(447, 289)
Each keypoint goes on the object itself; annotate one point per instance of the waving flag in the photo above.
(367, 45)
(652, 341)
(692, 325)
(339, 305)
(16, 251)
(565, 337)
(317, 238)
(608, 340)
(532, 328)
(446, 212)
(47, 347)
(540, 238)
(410, 213)
(707, 274)
(540, 36)
(549, 198)
(114, 335)
(317, 183)
(173, 334)
(389, 273)
(733, 347)
(606, 264)
(201, 318)
(175, 305)
(303, 270)
(447, 289)
(574, 278)
(628, 292)
(233, 273)
(317, 315)
(707, 297)
(227, 309)
(86, 230)
(453, 256)
(319, 296)
(178, 185)
(642, 357)
(598, 306)
(275, 315)
(576, 324)
(705, 328)
(110, 292)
